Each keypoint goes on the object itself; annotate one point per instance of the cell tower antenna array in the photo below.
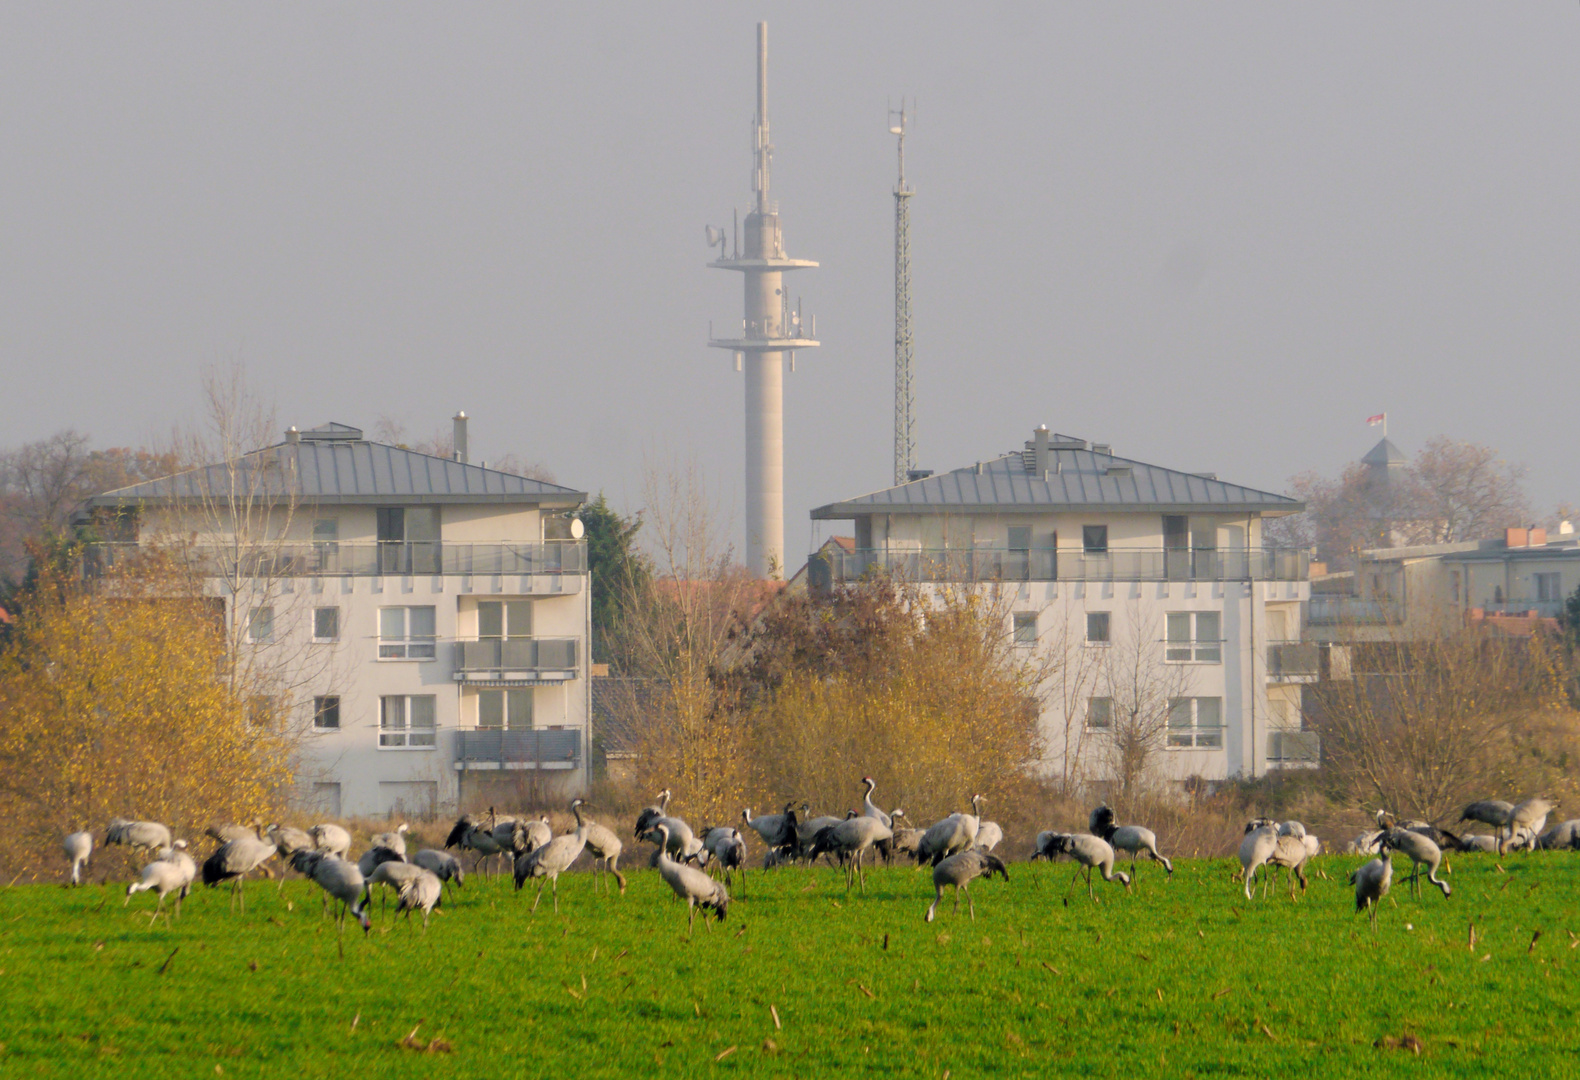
(904, 394)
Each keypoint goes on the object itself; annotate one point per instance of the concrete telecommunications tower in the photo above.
(770, 330)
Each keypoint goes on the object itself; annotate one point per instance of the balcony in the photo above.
(1294, 748)
(1545, 609)
(1348, 611)
(534, 748)
(965, 565)
(521, 661)
(362, 559)
(1292, 661)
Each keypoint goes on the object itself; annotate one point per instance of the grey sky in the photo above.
(1218, 236)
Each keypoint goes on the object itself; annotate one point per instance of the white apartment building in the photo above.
(1147, 587)
(424, 620)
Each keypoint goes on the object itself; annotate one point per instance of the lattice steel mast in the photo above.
(904, 395)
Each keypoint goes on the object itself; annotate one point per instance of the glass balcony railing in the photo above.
(1347, 610)
(1292, 660)
(1116, 564)
(363, 558)
(517, 654)
(505, 747)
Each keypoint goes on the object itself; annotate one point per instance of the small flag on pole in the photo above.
(1380, 418)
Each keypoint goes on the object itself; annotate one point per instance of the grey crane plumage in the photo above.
(1258, 846)
(1089, 852)
(989, 835)
(959, 870)
(1043, 846)
(331, 838)
(395, 840)
(1131, 838)
(288, 840)
(374, 857)
(725, 848)
(340, 880)
(807, 828)
(954, 833)
(1422, 852)
(476, 836)
(442, 865)
(553, 858)
(172, 872)
(233, 861)
(422, 893)
(777, 830)
(1565, 835)
(851, 839)
(1372, 881)
(148, 835)
(906, 839)
(1530, 814)
(1494, 812)
(225, 833)
(79, 848)
(870, 808)
(605, 847)
(691, 885)
(1478, 843)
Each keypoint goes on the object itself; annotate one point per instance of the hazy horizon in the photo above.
(1217, 237)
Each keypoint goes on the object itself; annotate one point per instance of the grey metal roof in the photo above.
(339, 467)
(1384, 453)
(1078, 479)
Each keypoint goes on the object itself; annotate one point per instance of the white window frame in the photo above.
(408, 646)
(398, 732)
(1194, 734)
(1100, 643)
(1195, 649)
(1018, 622)
(1100, 729)
(1545, 578)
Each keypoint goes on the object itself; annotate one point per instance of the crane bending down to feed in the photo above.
(172, 872)
(1088, 851)
(1131, 838)
(1261, 840)
(605, 847)
(78, 847)
(340, 880)
(691, 885)
(554, 858)
(1421, 851)
(1529, 815)
(442, 865)
(959, 870)
(1372, 882)
(149, 835)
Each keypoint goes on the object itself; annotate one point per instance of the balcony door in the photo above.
(507, 624)
(408, 538)
(1176, 547)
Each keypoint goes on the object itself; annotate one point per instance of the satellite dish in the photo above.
(715, 236)
(577, 529)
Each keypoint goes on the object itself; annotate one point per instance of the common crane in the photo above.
(870, 808)
(1530, 814)
(851, 839)
(553, 858)
(690, 884)
(807, 828)
(148, 835)
(331, 838)
(1372, 882)
(680, 840)
(476, 836)
(78, 847)
(1563, 835)
(442, 865)
(1261, 840)
(225, 833)
(1131, 838)
(954, 833)
(906, 839)
(605, 846)
(288, 840)
(395, 841)
(1089, 851)
(777, 830)
(421, 893)
(374, 857)
(1422, 852)
(989, 835)
(233, 861)
(1494, 812)
(959, 870)
(340, 880)
(172, 872)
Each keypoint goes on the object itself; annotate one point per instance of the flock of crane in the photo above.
(701, 866)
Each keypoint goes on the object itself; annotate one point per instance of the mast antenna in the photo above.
(904, 393)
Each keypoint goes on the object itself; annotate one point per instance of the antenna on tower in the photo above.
(904, 395)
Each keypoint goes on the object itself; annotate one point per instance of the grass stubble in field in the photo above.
(1172, 979)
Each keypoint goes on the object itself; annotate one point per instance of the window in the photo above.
(1026, 628)
(326, 712)
(326, 546)
(504, 708)
(260, 627)
(1094, 538)
(507, 618)
(326, 624)
(1194, 636)
(1548, 588)
(1019, 538)
(1196, 723)
(406, 721)
(1097, 628)
(408, 539)
(406, 633)
(1099, 714)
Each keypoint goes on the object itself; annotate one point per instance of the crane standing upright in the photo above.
(904, 394)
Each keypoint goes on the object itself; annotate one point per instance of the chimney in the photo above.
(1040, 442)
(292, 435)
(460, 436)
(1513, 538)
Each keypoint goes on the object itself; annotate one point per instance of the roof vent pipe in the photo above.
(1040, 446)
(292, 435)
(460, 436)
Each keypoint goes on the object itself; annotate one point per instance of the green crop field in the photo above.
(1176, 979)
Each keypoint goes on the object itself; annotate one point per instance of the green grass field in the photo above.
(1172, 979)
